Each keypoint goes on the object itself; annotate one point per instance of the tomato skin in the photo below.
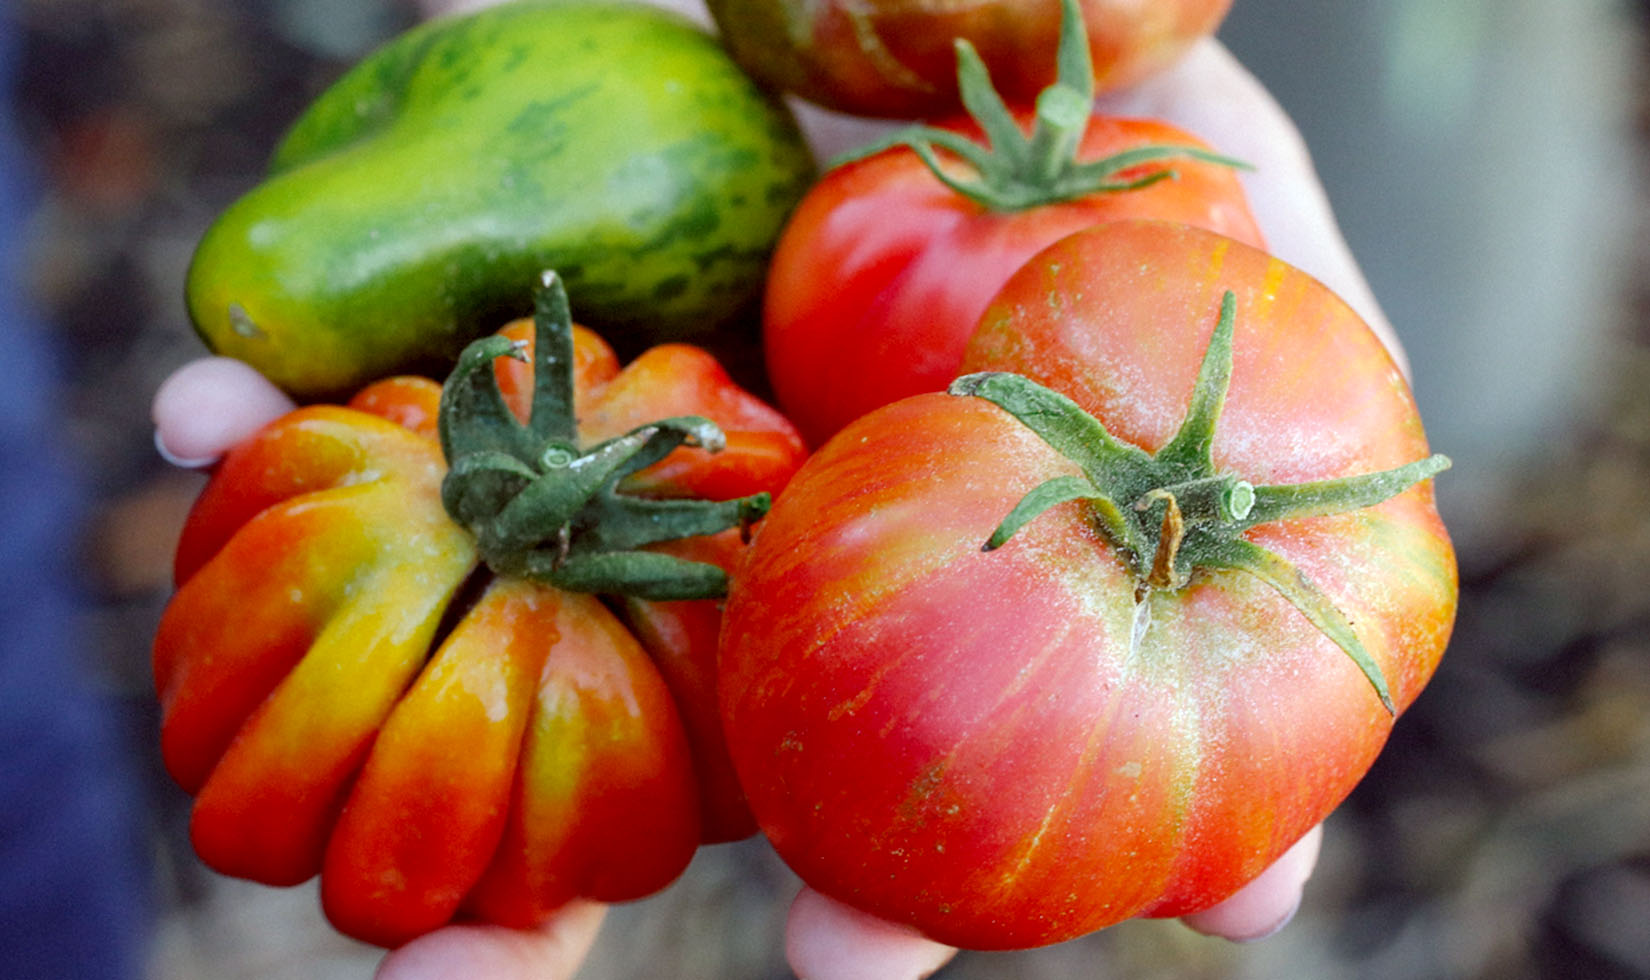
(682, 638)
(990, 746)
(412, 202)
(763, 448)
(345, 696)
(895, 59)
(591, 814)
(539, 757)
(882, 272)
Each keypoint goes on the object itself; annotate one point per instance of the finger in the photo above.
(1266, 904)
(1212, 96)
(209, 405)
(553, 951)
(826, 940)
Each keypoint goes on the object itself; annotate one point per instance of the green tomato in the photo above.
(416, 202)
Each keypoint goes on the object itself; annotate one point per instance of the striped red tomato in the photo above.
(1010, 666)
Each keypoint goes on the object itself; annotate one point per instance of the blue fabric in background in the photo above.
(74, 887)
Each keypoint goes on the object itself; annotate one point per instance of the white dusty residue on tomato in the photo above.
(1290, 451)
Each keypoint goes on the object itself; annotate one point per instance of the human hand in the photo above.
(211, 404)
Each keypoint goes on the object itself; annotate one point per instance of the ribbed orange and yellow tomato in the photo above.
(347, 691)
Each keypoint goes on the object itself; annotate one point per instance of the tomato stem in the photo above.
(1201, 513)
(1013, 171)
(542, 506)
(1171, 533)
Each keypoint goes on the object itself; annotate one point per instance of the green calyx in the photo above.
(543, 507)
(1169, 514)
(1014, 171)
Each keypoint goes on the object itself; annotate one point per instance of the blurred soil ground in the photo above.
(1504, 834)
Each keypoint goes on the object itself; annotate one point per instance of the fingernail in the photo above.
(182, 462)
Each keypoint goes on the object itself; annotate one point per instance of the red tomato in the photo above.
(1098, 719)
(883, 271)
(894, 58)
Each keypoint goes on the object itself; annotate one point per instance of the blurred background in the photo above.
(1488, 161)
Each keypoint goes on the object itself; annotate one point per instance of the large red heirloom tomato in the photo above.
(1105, 630)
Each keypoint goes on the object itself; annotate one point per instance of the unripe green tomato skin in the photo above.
(414, 204)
